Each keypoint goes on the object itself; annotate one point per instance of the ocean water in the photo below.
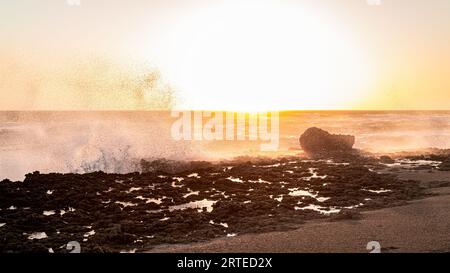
(116, 141)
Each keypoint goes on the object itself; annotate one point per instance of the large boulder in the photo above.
(386, 159)
(316, 140)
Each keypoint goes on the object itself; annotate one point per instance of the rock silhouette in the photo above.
(315, 140)
(386, 159)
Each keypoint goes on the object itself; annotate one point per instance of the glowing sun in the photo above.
(260, 55)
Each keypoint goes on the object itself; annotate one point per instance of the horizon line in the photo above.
(236, 111)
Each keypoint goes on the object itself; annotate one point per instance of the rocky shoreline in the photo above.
(173, 202)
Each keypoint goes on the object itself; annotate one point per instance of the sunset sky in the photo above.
(224, 55)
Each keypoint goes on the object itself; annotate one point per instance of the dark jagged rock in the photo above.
(445, 166)
(386, 159)
(346, 214)
(171, 166)
(315, 140)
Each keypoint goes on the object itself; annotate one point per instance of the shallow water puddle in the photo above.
(354, 206)
(225, 225)
(62, 212)
(37, 236)
(223, 193)
(133, 189)
(90, 233)
(260, 181)
(126, 204)
(149, 200)
(322, 210)
(331, 162)
(272, 166)
(191, 193)
(227, 168)
(279, 198)
(200, 205)
(408, 164)
(297, 192)
(194, 175)
(131, 251)
(234, 179)
(48, 212)
(377, 191)
(153, 211)
(178, 179)
(314, 174)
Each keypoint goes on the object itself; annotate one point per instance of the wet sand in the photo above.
(420, 226)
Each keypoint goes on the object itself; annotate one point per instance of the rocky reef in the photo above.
(167, 204)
